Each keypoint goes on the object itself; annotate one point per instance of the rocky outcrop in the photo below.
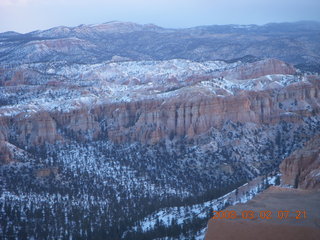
(274, 199)
(46, 172)
(6, 155)
(302, 168)
(259, 68)
(97, 104)
(10, 153)
(189, 113)
(35, 129)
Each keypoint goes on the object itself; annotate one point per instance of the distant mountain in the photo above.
(296, 43)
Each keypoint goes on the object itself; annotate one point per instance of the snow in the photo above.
(180, 214)
(201, 234)
(76, 85)
(315, 173)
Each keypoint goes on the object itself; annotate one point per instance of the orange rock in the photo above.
(302, 168)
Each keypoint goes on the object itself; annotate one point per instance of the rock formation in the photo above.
(302, 168)
(153, 112)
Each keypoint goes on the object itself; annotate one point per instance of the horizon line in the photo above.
(169, 28)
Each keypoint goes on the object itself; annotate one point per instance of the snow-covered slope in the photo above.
(169, 217)
(102, 42)
(71, 85)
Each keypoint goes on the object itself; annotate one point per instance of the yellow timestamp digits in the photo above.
(250, 214)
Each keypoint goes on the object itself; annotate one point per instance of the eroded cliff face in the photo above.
(193, 114)
(190, 112)
(150, 111)
(302, 168)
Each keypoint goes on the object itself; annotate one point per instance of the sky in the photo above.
(29, 15)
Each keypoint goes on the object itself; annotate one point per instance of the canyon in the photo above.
(105, 127)
(270, 93)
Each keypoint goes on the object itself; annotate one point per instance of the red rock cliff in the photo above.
(302, 168)
(189, 113)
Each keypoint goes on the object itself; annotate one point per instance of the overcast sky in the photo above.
(29, 15)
